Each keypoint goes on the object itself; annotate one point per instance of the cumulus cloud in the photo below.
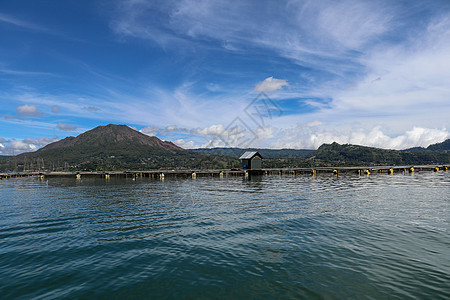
(46, 141)
(270, 85)
(213, 130)
(28, 110)
(30, 141)
(22, 146)
(66, 127)
(14, 147)
(303, 137)
(150, 130)
(185, 144)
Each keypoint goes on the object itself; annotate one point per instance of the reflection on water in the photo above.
(264, 237)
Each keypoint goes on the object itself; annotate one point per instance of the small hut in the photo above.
(251, 160)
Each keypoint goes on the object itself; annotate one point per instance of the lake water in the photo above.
(268, 237)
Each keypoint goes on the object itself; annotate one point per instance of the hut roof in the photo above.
(250, 155)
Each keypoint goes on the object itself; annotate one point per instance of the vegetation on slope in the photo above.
(113, 147)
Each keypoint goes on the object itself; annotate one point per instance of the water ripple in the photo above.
(266, 237)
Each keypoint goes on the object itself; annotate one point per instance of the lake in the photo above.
(266, 237)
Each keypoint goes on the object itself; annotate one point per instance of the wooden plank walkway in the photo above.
(159, 174)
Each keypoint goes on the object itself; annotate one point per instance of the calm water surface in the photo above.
(271, 237)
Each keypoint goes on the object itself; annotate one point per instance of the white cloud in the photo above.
(213, 130)
(28, 110)
(151, 130)
(22, 146)
(14, 147)
(270, 85)
(302, 137)
(172, 128)
(66, 127)
(353, 23)
(185, 144)
(45, 141)
(30, 141)
(314, 123)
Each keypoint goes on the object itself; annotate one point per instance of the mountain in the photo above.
(266, 153)
(111, 138)
(444, 146)
(114, 147)
(354, 154)
(438, 147)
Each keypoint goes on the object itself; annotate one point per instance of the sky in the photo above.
(268, 74)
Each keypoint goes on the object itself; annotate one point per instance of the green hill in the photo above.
(441, 147)
(438, 147)
(353, 155)
(113, 147)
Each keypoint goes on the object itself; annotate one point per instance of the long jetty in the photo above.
(161, 174)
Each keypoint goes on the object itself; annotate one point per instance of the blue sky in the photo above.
(274, 74)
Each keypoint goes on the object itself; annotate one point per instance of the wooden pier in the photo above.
(161, 174)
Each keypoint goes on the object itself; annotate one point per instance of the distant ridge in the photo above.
(439, 147)
(266, 153)
(444, 146)
(355, 154)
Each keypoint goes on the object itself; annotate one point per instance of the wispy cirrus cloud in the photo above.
(312, 33)
(21, 23)
(24, 73)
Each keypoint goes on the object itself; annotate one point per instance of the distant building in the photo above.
(251, 160)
